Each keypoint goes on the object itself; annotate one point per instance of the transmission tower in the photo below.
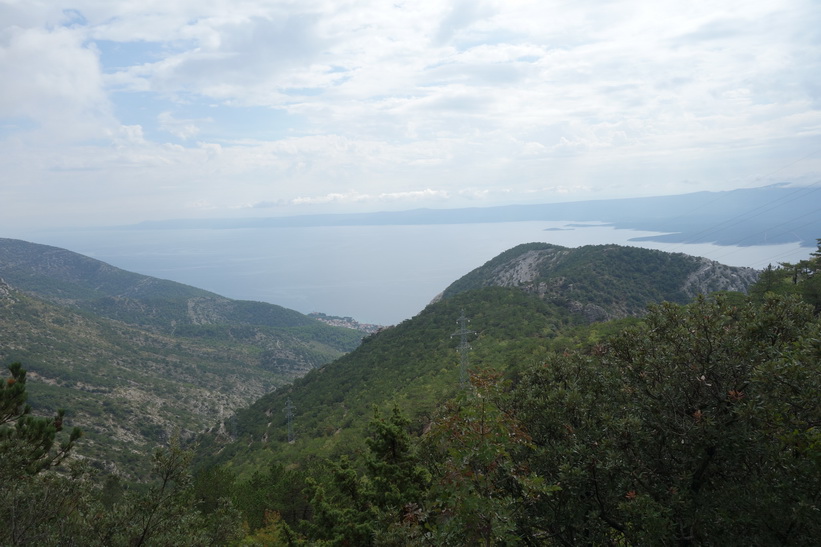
(289, 415)
(464, 347)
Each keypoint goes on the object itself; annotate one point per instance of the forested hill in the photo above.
(59, 274)
(527, 301)
(604, 281)
(73, 279)
(137, 359)
(414, 365)
(657, 430)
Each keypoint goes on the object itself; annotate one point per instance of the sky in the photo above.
(119, 111)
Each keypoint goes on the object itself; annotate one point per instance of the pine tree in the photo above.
(27, 442)
(39, 507)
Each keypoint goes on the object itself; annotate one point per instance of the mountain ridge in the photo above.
(73, 279)
(135, 366)
(570, 276)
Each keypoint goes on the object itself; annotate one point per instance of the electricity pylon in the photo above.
(289, 415)
(463, 348)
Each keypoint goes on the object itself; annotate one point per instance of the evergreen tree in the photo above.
(164, 514)
(698, 427)
(27, 442)
(399, 480)
(802, 278)
(482, 483)
(39, 506)
(343, 513)
(392, 464)
(811, 288)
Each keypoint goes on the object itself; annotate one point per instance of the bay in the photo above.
(375, 274)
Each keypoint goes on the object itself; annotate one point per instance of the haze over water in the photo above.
(375, 274)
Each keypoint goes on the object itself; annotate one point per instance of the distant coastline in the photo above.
(769, 215)
(376, 274)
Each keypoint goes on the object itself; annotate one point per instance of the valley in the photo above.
(138, 359)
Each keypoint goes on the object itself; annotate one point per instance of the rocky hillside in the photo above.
(604, 281)
(136, 359)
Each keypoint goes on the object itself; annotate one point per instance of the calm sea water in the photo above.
(375, 274)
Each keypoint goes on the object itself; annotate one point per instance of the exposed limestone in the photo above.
(523, 269)
(572, 277)
(712, 276)
(6, 298)
(201, 311)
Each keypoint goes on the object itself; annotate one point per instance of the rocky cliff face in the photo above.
(5, 290)
(712, 276)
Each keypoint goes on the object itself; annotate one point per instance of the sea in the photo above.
(374, 274)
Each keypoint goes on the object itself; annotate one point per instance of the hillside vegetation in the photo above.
(138, 359)
(530, 300)
(83, 283)
(693, 424)
(414, 365)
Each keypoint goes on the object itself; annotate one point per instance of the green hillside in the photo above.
(137, 359)
(131, 388)
(522, 304)
(52, 272)
(72, 279)
(414, 365)
(694, 424)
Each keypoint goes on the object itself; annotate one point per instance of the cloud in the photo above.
(460, 16)
(50, 76)
(384, 197)
(336, 104)
(182, 129)
(128, 136)
(261, 205)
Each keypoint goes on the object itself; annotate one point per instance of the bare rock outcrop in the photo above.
(712, 276)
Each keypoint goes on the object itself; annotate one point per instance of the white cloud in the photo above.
(384, 197)
(128, 136)
(183, 129)
(393, 103)
(52, 78)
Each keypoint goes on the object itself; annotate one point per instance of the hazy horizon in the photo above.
(375, 274)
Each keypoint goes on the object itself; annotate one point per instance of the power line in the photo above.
(729, 194)
(800, 192)
(789, 222)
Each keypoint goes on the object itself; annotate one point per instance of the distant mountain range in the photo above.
(750, 216)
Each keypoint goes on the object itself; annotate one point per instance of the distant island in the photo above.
(767, 215)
